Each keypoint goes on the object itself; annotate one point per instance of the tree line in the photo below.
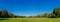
(54, 14)
(5, 14)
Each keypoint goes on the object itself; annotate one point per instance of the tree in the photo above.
(0, 13)
(11, 15)
(56, 11)
(4, 14)
(38, 16)
(46, 15)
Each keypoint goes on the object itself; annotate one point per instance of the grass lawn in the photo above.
(30, 20)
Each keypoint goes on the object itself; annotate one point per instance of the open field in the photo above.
(30, 20)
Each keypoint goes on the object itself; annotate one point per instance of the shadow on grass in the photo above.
(1, 19)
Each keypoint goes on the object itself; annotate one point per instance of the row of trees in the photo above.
(54, 14)
(5, 14)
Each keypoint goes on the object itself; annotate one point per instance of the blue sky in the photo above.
(29, 7)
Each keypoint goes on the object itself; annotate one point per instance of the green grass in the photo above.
(30, 20)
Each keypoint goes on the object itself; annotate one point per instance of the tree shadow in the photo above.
(1, 19)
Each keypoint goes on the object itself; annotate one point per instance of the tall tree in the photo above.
(56, 11)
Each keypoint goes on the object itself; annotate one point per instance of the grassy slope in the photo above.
(31, 20)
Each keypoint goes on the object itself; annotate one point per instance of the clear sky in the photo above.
(29, 7)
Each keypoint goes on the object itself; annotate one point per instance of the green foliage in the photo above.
(54, 14)
(43, 15)
(10, 15)
(56, 11)
(38, 16)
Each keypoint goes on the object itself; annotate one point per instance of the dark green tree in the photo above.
(10, 15)
(56, 11)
